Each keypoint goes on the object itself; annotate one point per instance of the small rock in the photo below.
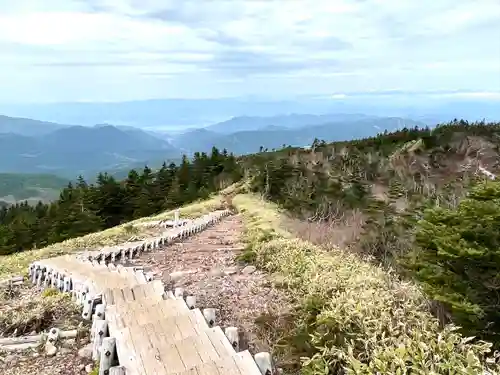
(248, 270)
(81, 367)
(69, 343)
(89, 368)
(86, 351)
(230, 271)
(216, 272)
(64, 351)
(176, 276)
(11, 358)
(50, 349)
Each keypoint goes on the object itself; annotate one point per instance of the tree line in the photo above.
(84, 208)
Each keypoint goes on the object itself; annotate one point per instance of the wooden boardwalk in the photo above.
(139, 328)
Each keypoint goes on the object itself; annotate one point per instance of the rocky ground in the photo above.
(26, 311)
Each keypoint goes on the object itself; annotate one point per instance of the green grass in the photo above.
(353, 317)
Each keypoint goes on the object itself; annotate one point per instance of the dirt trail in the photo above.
(205, 266)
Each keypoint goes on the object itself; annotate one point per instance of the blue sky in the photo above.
(112, 50)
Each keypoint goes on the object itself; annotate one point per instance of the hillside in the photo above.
(26, 126)
(32, 187)
(78, 150)
(397, 198)
(381, 243)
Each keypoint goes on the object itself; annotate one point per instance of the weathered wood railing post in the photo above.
(107, 355)
(100, 332)
(264, 362)
(176, 218)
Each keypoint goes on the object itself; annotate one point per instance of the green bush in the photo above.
(458, 260)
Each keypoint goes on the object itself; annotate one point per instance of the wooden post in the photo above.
(100, 332)
(179, 293)
(191, 302)
(67, 284)
(233, 337)
(107, 355)
(40, 278)
(88, 306)
(264, 363)
(209, 315)
(99, 312)
(176, 218)
(50, 345)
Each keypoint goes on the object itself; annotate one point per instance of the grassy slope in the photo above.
(353, 316)
(19, 186)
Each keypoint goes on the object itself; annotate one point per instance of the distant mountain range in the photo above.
(73, 150)
(244, 135)
(31, 146)
(170, 114)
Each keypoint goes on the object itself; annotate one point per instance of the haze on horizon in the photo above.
(118, 50)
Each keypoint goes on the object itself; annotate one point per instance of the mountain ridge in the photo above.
(70, 150)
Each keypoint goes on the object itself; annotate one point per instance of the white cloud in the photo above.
(125, 49)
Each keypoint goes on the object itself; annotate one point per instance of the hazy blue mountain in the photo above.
(181, 113)
(26, 126)
(291, 121)
(195, 140)
(74, 150)
(272, 136)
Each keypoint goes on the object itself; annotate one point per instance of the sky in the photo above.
(115, 50)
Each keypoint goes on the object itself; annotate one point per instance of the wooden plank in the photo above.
(205, 348)
(108, 297)
(185, 326)
(169, 331)
(118, 296)
(128, 295)
(138, 291)
(220, 342)
(127, 353)
(172, 358)
(246, 364)
(227, 366)
(190, 357)
(145, 349)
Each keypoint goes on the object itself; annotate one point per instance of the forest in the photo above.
(414, 201)
(84, 208)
